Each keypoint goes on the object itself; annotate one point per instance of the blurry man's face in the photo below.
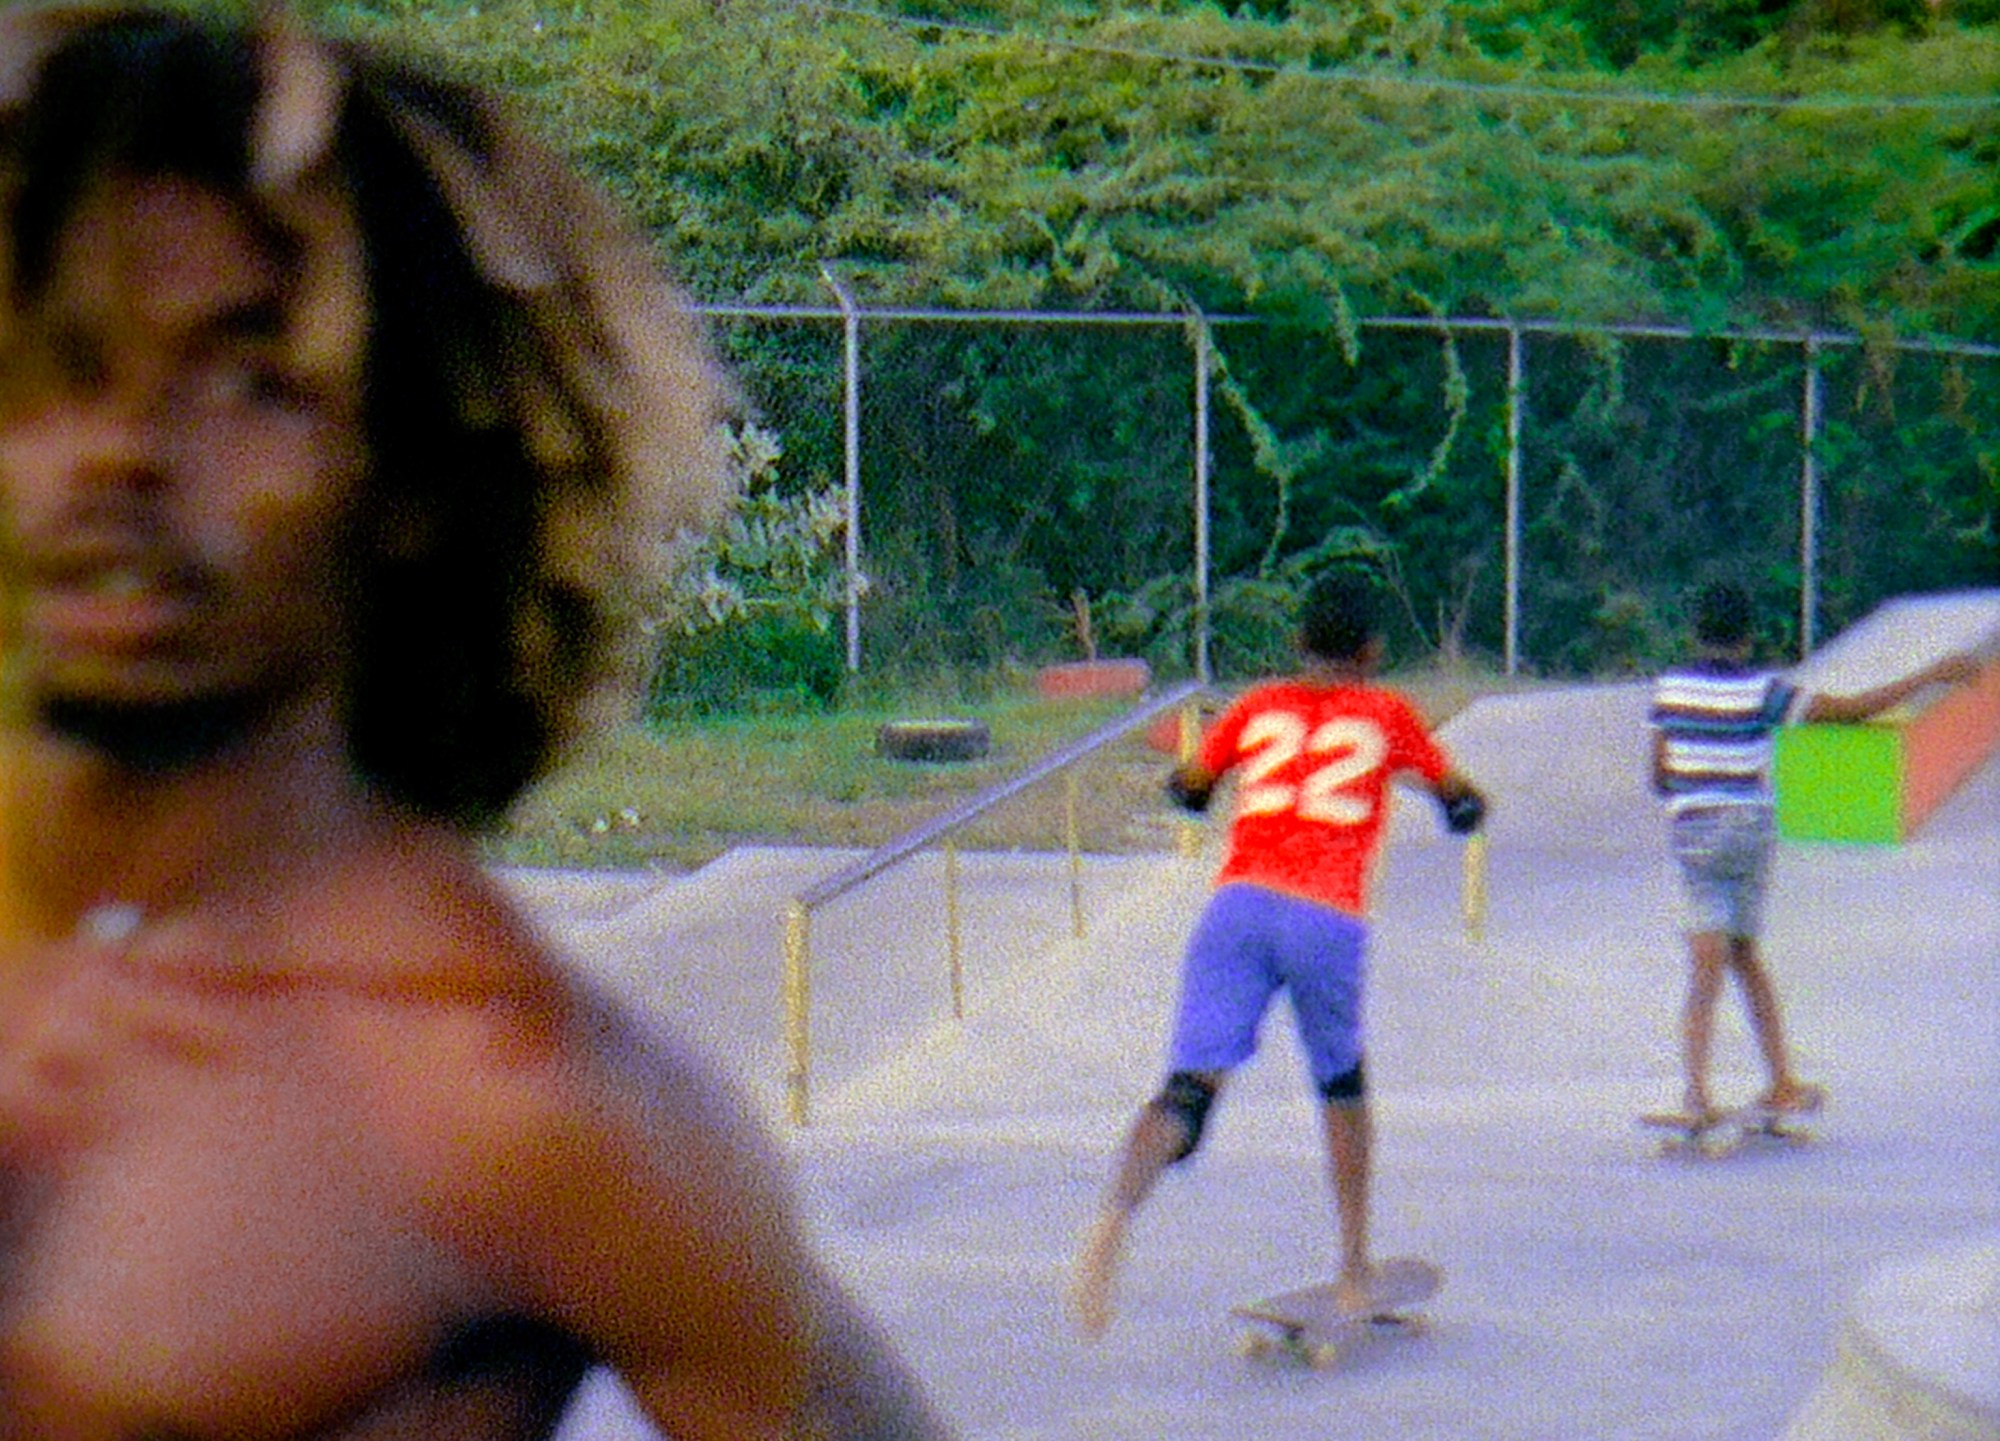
(175, 483)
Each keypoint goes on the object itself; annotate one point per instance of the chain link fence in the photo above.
(1025, 488)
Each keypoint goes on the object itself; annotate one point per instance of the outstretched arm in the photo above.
(1840, 709)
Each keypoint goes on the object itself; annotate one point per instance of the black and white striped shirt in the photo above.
(1720, 723)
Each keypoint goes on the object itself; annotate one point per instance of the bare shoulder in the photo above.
(468, 1016)
(600, 1173)
(586, 1170)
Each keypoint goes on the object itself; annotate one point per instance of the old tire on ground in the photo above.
(933, 740)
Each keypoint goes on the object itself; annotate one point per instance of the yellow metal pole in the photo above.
(1071, 839)
(1472, 887)
(954, 953)
(798, 1010)
(1190, 731)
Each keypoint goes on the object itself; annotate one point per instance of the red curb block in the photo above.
(1082, 678)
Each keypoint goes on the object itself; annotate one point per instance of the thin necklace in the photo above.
(111, 923)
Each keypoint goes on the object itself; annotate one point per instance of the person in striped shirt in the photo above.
(1715, 722)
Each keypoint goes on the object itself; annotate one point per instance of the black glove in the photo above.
(1463, 812)
(1186, 794)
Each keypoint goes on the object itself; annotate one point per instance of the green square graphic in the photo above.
(1840, 783)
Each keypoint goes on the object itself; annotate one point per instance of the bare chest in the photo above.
(203, 1228)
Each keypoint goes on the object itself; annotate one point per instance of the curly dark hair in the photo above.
(1723, 614)
(1339, 616)
(540, 410)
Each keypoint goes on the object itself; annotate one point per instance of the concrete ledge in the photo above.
(1917, 1357)
(1947, 743)
(1876, 783)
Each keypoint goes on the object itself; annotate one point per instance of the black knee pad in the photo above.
(1186, 1097)
(1350, 1088)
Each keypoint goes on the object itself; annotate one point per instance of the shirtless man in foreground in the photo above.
(331, 410)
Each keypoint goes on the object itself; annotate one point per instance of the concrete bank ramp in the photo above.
(1902, 636)
(1545, 994)
(1566, 770)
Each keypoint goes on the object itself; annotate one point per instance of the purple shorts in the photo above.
(1250, 943)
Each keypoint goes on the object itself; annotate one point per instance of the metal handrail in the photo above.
(798, 913)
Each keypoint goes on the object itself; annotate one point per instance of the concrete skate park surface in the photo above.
(1594, 1290)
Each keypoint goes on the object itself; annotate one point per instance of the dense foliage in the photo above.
(1049, 155)
(746, 612)
(1724, 165)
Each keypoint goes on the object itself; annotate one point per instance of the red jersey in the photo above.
(1314, 765)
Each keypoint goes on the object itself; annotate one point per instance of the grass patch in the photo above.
(680, 794)
(677, 796)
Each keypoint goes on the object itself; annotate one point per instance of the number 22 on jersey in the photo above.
(1342, 753)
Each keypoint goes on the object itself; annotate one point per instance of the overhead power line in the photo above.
(1430, 84)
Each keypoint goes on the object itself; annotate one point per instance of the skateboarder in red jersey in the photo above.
(1313, 758)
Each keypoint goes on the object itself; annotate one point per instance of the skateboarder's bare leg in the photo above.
(1709, 958)
(1167, 1130)
(1096, 1269)
(1760, 997)
(1350, 1134)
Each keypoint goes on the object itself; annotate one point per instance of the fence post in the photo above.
(1511, 545)
(798, 1010)
(1809, 502)
(850, 325)
(1201, 369)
